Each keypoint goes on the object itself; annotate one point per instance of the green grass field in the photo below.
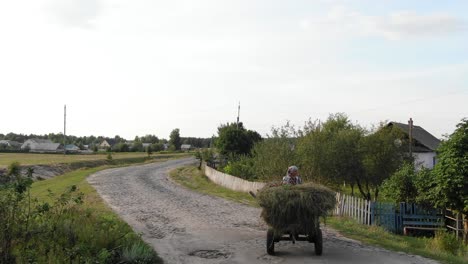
(434, 248)
(49, 159)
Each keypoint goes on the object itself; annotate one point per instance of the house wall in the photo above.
(231, 182)
(425, 159)
(104, 144)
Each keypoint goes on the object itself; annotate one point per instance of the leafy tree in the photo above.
(121, 147)
(234, 139)
(273, 155)
(137, 147)
(329, 152)
(381, 157)
(149, 151)
(174, 139)
(401, 186)
(157, 147)
(449, 186)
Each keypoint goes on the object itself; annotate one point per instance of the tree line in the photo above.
(336, 152)
(119, 143)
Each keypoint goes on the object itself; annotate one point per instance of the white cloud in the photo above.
(75, 13)
(393, 26)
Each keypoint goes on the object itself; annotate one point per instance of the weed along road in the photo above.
(187, 227)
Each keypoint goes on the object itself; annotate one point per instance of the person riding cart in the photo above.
(292, 210)
(292, 176)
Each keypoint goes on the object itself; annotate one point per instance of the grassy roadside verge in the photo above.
(75, 224)
(437, 249)
(192, 178)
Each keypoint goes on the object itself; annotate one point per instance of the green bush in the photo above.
(62, 231)
(400, 187)
(242, 167)
(139, 252)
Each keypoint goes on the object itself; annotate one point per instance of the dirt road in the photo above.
(188, 227)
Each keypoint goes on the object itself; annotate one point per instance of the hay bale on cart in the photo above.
(294, 210)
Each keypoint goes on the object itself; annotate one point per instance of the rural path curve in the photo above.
(187, 227)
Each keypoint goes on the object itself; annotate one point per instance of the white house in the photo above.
(423, 147)
(107, 143)
(185, 147)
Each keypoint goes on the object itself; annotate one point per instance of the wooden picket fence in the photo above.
(353, 207)
(392, 218)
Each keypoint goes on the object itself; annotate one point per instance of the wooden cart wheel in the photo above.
(318, 242)
(270, 242)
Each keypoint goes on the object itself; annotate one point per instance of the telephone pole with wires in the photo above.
(410, 134)
(238, 114)
(64, 129)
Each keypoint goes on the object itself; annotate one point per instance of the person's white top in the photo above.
(288, 180)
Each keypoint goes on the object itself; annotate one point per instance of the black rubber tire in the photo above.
(270, 242)
(318, 242)
(311, 237)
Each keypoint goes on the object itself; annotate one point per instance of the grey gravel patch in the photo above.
(209, 254)
(155, 231)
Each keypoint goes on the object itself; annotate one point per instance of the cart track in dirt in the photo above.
(188, 227)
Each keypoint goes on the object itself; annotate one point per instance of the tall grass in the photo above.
(444, 247)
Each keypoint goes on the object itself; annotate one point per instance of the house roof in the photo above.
(420, 134)
(10, 143)
(71, 147)
(36, 144)
(109, 141)
(38, 140)
(185, 146)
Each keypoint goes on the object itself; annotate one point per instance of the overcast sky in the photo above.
(146, 67)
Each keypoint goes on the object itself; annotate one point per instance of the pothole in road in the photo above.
(209, 254)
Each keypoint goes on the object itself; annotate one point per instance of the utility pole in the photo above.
(410, 133)
(64, 129)
(238, 114)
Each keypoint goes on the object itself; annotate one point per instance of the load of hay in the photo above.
(295, 208)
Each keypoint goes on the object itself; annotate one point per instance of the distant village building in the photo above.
(41, 146)
(71, 148)
(166, 146)
(185, 147)
(107, 143)
(10, 144)
(424, 145)
(146, 145)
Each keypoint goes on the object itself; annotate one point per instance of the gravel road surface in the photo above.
(187, 227)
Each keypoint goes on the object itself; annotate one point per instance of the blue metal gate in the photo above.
(386, 216)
